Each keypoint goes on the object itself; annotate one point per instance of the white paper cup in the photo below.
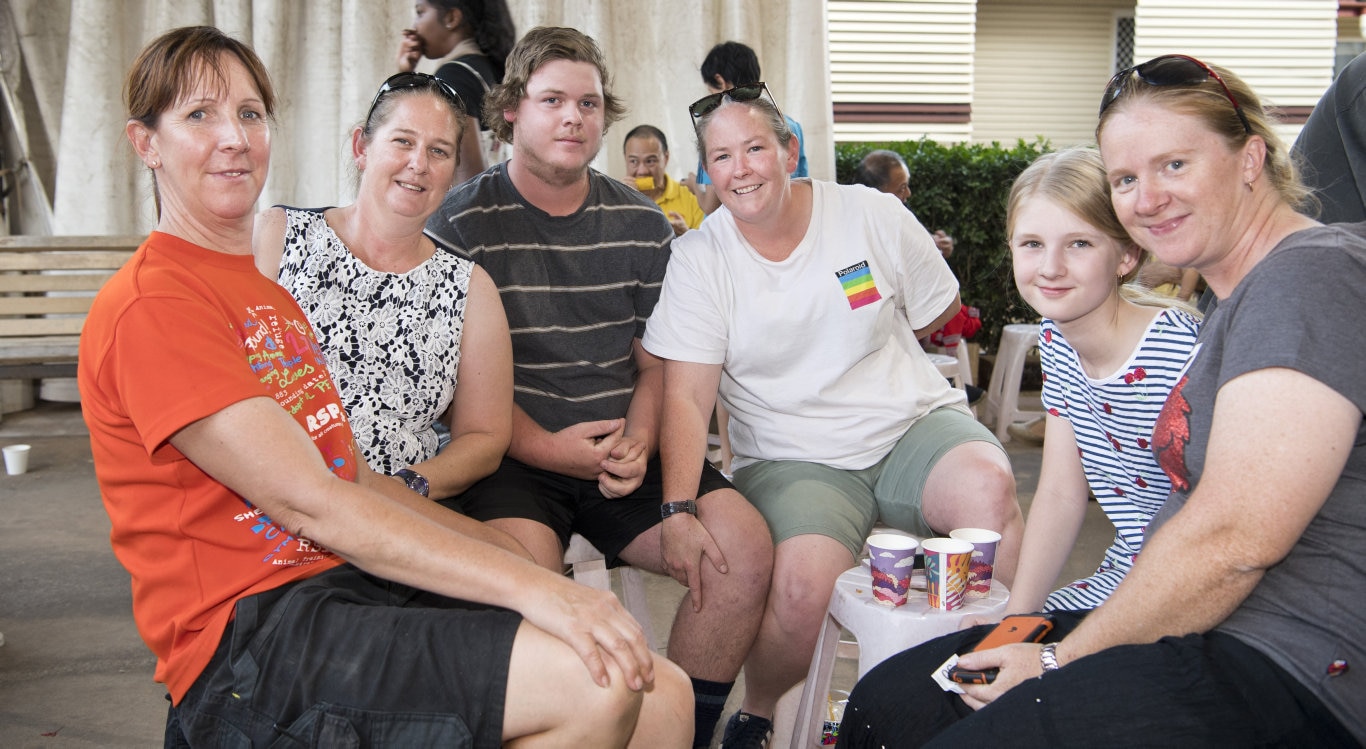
(16, 459)
(890, 559)
(983, 558)
(946, 571)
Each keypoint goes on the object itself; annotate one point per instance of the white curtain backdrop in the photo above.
(63, 74)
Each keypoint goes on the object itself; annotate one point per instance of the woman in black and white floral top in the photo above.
(394, 316)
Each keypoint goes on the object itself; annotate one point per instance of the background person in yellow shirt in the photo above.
(647, 156)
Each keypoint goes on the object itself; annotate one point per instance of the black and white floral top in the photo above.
(391, 341)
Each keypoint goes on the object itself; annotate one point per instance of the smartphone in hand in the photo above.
(1012, 629)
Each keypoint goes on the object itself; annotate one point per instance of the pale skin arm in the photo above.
(480, 416)
(399, 492)
(1055, 518)
(1278, 444)
(624, 469)
(689, 396)
(268, 241)
(400, 539)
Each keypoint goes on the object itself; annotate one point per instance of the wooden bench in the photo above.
(46, 287)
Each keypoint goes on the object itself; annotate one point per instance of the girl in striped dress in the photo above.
(1110, 354)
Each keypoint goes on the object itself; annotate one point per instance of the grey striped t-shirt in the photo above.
(577, 289)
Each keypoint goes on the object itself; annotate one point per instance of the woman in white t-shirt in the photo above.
(801, 302)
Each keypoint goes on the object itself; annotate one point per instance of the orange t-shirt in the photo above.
(178, 334)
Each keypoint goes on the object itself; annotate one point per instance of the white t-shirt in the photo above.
(819, 359)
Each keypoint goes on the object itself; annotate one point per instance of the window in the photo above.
(1124, 43)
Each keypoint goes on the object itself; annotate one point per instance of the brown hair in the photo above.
(1208, 102)
(541, 45)
(171, 65)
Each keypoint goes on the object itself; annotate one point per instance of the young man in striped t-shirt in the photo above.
(579, 260)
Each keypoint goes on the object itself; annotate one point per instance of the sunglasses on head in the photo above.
(748, 92)
(414, 80)
(1170, 70)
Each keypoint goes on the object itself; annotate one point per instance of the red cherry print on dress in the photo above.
(1143, 443)
(1048, 336)
(1107, 408)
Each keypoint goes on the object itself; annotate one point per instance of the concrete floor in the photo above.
(73, 671)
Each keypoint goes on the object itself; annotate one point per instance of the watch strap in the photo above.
(414, 480)
(1048, 657)
(673, 508)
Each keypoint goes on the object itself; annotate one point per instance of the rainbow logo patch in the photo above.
(859, 288)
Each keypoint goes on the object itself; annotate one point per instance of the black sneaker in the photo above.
(745, 731)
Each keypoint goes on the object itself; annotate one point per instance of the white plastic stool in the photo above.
(590, 568)
(956, 367)
(1003, 392)
(882, 631)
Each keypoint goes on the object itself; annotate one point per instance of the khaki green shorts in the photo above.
(796, 497)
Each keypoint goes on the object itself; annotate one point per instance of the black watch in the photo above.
(673, 508)
(415, 481)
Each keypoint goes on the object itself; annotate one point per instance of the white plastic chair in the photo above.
(1002, 401)
(590, 568)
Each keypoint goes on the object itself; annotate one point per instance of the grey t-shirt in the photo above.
(577, 289)
(1300, 308)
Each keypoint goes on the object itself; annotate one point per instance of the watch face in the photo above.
(415, 481)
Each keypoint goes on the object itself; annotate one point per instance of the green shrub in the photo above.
(962, 189)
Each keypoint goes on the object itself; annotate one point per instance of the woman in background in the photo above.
(470, 40)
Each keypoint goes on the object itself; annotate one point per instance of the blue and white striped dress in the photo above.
(1113, 419)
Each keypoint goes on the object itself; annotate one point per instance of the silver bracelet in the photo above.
(1048, 657)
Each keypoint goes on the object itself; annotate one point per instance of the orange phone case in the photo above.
(1017, 628)
(1012, 629)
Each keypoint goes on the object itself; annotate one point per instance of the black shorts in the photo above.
(345, 659)
(569, 505)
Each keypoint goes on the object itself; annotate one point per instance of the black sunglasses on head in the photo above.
(1170, 70)
(748, 92)
(415, 80)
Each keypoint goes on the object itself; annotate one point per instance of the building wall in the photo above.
(1041, 68)
(901, 69)
(1283, 48)
(1002, 70)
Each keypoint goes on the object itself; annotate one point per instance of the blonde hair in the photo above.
(1208, 102)
(1074, 178)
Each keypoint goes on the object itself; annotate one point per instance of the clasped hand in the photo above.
(603, 451)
